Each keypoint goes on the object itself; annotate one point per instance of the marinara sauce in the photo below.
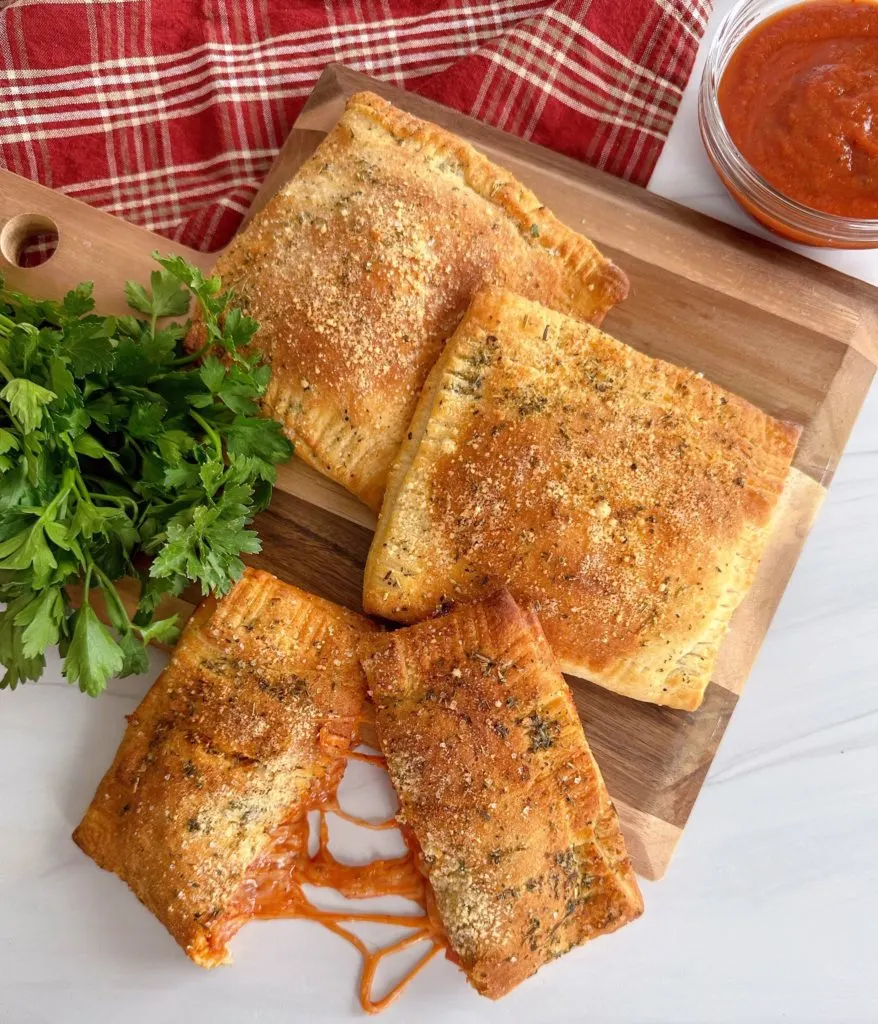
(799, 98)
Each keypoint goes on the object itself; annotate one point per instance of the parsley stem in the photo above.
(191, 358)
(111, 595)
(82, 489)
(208, 429)
(99, 481)
(86, 583)
(68, 482)
(90, 497)
(137, 448)
(7, 373)
(117, 499)
(7, 325)
(13, 422)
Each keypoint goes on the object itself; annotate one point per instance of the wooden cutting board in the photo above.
(791, 336)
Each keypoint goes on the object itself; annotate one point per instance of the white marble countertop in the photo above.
(767, 914)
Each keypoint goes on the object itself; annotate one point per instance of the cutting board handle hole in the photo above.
(29, 240)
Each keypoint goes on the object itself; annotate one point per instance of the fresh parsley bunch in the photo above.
(123, 455)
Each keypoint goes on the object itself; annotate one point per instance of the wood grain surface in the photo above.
(791, 336)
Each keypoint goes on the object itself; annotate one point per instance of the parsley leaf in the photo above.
(213, 374)
(93, 656)
(8, 442)
(162, 631)
(41, 621)
(78, 302)
(135, 660)
(203, 543)
(19, 666)
(26, 402)
(167, 297)
(88, 351)
(122, 454)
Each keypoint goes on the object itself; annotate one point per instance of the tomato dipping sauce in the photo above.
(799, 98)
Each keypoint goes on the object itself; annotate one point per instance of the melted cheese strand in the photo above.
(377, 759)
(375, 826)
(274, 889)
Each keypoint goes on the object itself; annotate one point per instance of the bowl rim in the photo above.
(726, 155)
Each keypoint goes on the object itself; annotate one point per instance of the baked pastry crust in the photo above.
(628, 500)
(517, 835)
(251, 719)
(362, 265)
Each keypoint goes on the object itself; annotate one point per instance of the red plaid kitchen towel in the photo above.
(169, 113)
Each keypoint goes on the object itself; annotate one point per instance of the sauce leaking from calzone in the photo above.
(274, 884)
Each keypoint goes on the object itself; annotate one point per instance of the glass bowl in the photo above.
(779, 213)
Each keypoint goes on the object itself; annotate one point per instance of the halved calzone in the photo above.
(498, 791)
(247, 727)
(360, 268)
(626, 499)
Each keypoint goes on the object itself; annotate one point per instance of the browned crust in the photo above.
(627, 499)
(362, 265)
(519, 839)
(256, 708)
(598, 284)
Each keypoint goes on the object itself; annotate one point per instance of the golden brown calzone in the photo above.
(516, 834)
(626, 499)
(362, 265)
(251, 720)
